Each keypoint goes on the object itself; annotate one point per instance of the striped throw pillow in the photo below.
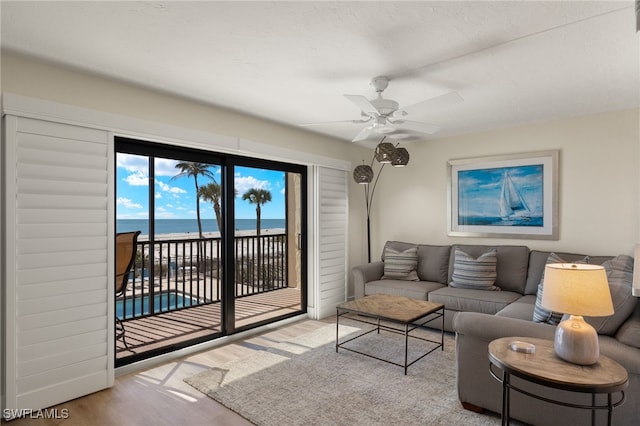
(400, 265)
(475, 273)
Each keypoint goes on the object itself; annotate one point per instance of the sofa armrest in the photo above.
(362, 274)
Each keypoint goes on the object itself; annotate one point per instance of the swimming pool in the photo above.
(162, 302)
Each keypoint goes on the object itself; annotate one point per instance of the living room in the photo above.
(599, 184)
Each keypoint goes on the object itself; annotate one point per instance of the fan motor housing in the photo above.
(385, 106)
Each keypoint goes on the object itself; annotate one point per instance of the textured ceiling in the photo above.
(291, 62)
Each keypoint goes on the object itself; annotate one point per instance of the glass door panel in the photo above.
(267, 230)
(187, 249)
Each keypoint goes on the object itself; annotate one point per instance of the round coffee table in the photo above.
(545, 368)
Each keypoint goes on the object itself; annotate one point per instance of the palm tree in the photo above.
(189, 168)
(212, 192)
(258, 197)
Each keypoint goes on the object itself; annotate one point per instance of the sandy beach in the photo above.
(194, 235)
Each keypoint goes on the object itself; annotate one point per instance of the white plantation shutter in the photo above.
(57, 299)
(331, 247)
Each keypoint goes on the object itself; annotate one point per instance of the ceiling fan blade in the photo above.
(363, 134)
(363, 103)
(438, 102)
(416, 126)
(336, 122)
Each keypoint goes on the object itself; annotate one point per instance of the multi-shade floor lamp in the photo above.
(385, 153)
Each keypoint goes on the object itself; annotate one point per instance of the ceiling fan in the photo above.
(384, 116)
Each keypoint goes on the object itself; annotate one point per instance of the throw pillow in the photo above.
(400, 265)
(620, 277)
(475, 273)
(541, 314)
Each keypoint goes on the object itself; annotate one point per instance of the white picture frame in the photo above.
(505, 196)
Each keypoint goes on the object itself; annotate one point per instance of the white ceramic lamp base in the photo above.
(577, 341)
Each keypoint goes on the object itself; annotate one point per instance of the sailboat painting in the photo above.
(505, 196)
(511, 196)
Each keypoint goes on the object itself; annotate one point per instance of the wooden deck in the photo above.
(173, 328)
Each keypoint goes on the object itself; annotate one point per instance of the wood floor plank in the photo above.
(159, 396)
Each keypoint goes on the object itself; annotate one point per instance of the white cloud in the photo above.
(137, 178)
(132, 163)
(171, 189)
(166, 167)
(126, 202)
(243, 184)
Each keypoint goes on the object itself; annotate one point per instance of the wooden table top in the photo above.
(395, 308)
(546, 368)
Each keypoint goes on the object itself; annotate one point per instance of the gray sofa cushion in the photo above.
(538, 259)
(520, 309)
(469, 300)
(629, 332)
(433, 263)
(412, 289)
(512, 264)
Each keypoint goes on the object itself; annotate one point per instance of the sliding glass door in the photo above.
(221, 246)
(268, 211)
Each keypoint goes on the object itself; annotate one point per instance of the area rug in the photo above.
(303, 381)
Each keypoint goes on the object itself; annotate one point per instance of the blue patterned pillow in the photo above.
(475, 273)
(400, 265)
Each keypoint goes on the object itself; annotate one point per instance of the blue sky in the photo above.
(175, 198)
(479, 189)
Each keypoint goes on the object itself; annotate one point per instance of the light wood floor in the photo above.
(159, 396)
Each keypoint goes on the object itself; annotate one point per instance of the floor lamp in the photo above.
(385, 153)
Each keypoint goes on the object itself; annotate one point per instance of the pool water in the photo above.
(161, 302)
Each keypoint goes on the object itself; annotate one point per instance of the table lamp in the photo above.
(577, 290)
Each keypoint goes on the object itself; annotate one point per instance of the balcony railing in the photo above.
(180, 273)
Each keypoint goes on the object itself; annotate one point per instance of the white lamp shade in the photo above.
(577, 289)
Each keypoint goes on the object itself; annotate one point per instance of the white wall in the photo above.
(598, 178)
(32, 78)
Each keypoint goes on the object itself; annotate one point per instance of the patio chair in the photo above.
(125, 254)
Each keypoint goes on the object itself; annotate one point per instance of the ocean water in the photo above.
(183, 226)
(497, 221)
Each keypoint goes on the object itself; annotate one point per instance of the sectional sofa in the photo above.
(491, 292)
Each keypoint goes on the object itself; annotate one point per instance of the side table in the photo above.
(545, 368)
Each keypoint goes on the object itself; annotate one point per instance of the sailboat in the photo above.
(512, 203)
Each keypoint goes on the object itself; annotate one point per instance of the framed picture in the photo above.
(507, 196)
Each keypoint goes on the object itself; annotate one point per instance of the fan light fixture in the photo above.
(385, 153)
